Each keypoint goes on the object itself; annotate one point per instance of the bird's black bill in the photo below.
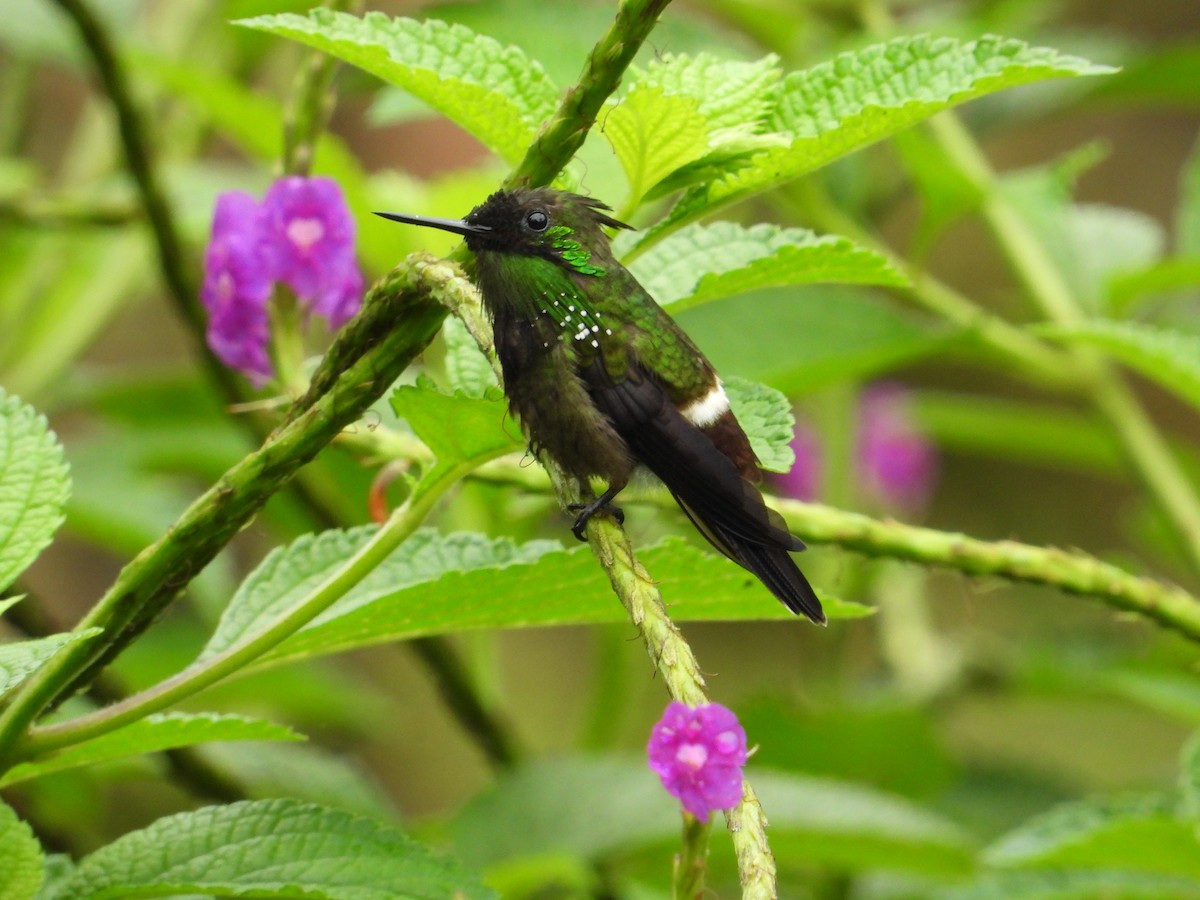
(458, 226)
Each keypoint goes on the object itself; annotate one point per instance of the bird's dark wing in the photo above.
(726, 508)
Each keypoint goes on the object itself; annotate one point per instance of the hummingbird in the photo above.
(604, 382)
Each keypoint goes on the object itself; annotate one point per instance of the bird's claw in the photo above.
(587, 510)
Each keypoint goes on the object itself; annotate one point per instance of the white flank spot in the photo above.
(705, 410)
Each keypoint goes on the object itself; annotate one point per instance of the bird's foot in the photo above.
(603, 503)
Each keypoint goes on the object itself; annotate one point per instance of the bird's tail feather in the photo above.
(771, 564)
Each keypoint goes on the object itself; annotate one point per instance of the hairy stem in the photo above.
(564, 134)
(1069, 571)
(638, 592)
(1072, 572)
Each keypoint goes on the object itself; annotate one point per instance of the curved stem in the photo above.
(1144, 444)
(402, 523)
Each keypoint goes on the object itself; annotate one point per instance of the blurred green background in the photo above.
(997, 702)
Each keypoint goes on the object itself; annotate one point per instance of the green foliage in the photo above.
(268, 848)
(1168, 357)
(21, 659)
(863, 96)
(939, 751)
(815, 337)
(459, 429)
(33, 486)
(1140, 833)
(442, 584)
(653, 134)
(467, 370)
(850, 826)
(767, 418)
(152, 735)
(496, 93)
(594, 807)
(21, 874)
(703, 263)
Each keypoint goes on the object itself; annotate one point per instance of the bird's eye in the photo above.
(537, 220)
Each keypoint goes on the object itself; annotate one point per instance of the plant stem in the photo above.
(311, 105)
(692, 860)
(1108, 391)
(1039, 361)
(402, 523)
(181, 287)
(1072, 572)
(670, 653)
(564, 134)
(154, 578)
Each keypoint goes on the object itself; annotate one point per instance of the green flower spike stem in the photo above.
(692, 861)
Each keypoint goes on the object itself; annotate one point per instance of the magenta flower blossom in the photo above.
(897, 462)
(311, 236)
(236, 288)
(698, 752)
(896, 466)
(301, 235)
(803, 479)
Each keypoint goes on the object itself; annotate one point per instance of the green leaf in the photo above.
(467, 369)
(457, 428)
(1091, 244)
(438, 584)
(303, 772)
(1069, 884)
(1170, 358)
(653, 134)
(843, 825)
(864, 95)
(77, 282)
(33, 486)
(21, 659)
(816, 335)
(731, 94)
(585, 806)
(945, 193)
(269, 848)
(703, 263)
(1168, 76)
(593, 807)
(290, 573)
(21, 873)
(1138, 833)
(496, 93)
(766, 417)
(152, 735)
(1181, 273)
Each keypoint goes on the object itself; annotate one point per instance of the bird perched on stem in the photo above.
(604, 381)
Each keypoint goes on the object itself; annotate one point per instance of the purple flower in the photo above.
(803, 479)
(896, 466)
(301, 235)
(698, 752)
(896, 462)
(311, 237)
(236, 288)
